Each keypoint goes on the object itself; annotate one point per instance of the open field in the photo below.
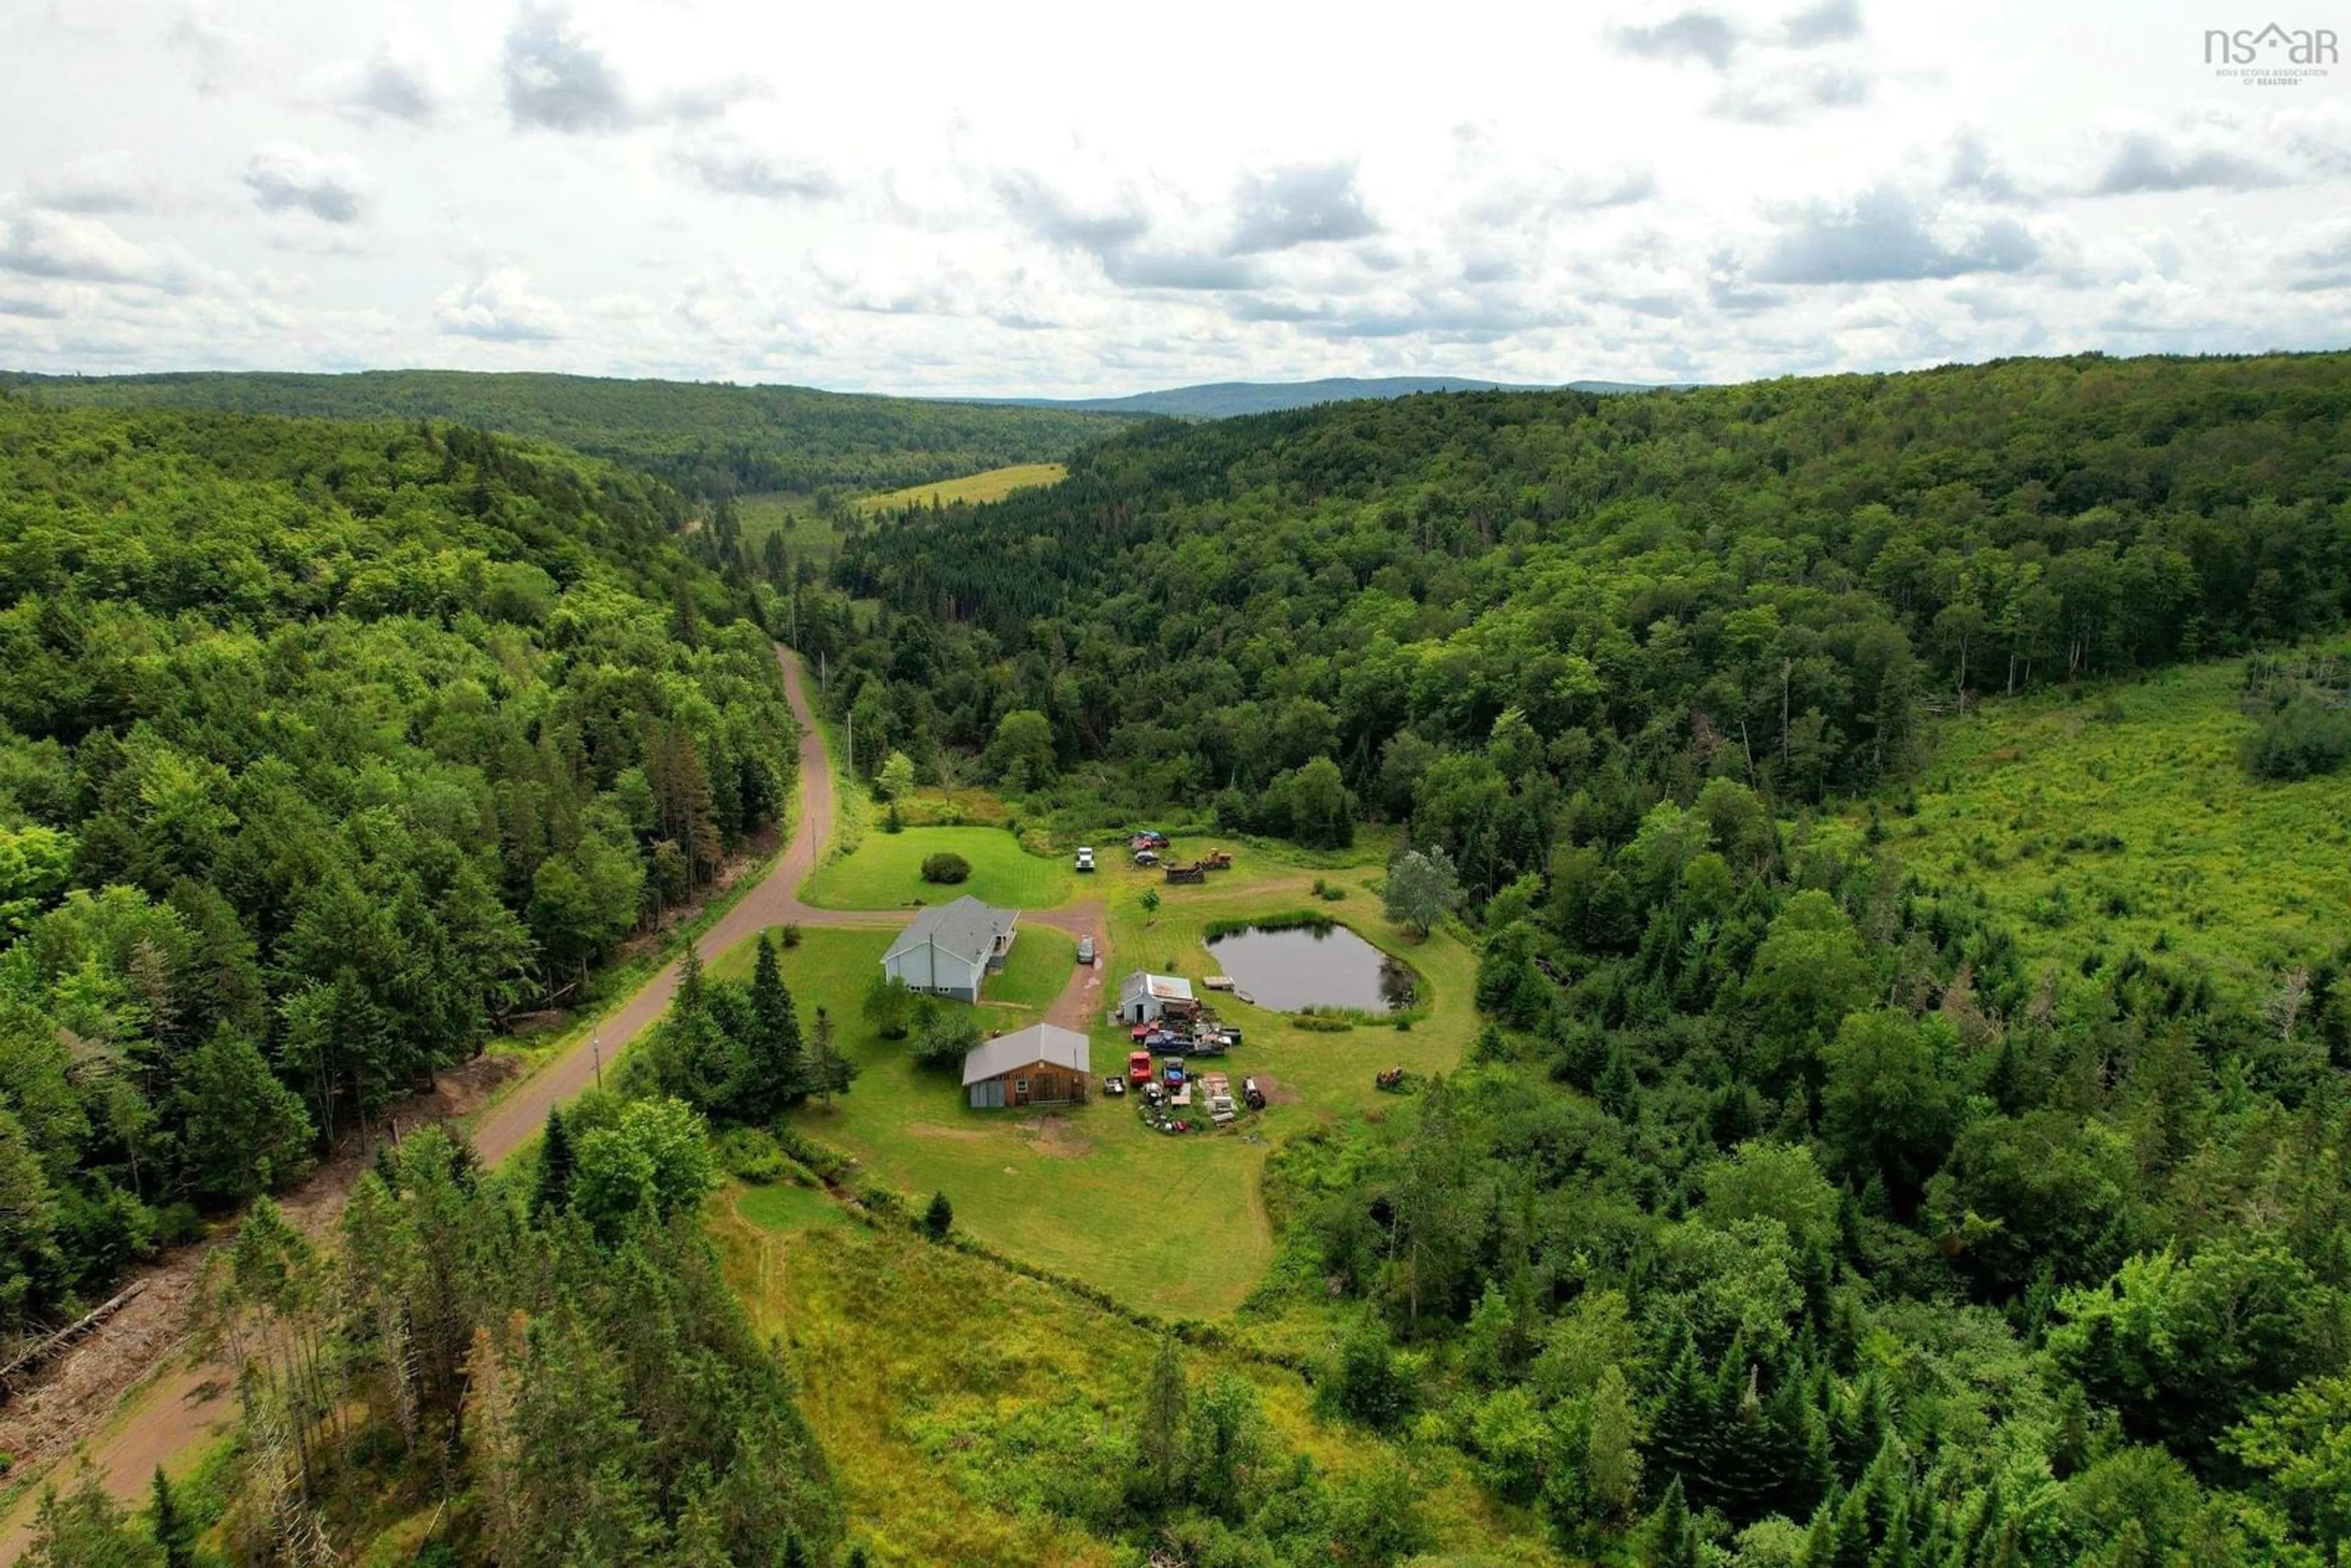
(952, 1396)
(993, 485)
(1174, 1223)
(2121, 816)
(808, 534)
(884, 871)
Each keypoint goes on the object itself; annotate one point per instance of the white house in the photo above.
(949, 950)
(1143, 998)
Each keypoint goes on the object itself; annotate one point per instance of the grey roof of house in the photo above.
(1025, 1047)
(966, 928)
(1164, 988)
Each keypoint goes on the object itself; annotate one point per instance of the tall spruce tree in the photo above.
(775, 1067)
(551, 1192)
(176, 1533)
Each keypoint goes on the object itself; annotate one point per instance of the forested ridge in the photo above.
(323, 748)
(1483, 608)
(706, 438)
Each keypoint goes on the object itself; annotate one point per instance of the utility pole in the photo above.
(852, 743)
(596, 1044)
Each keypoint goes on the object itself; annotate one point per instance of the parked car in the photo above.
(1086, 944)
(1252, 1094)
(1146, 857)
(1170, 1071)
(1138, 1067)
(1113, 1084)
(1086, 858)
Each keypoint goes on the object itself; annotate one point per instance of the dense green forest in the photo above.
(706, 438)
(1507, 616)
(1784, 1215)
(324, 747)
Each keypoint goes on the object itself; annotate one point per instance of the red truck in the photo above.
(1138, 1068)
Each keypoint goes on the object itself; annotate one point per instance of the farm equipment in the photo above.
(1113, 1085)
(1393, 1081)
(1253, 1096)
(1193, 874)
(1219, 859)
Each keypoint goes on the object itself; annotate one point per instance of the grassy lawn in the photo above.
(1171, 1222)
(918, 1419)
(2122, 817)
(884, 871)
(992, 485)
(1035, 970)
(783, 1206)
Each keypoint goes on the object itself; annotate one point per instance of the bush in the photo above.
(2305, 736)
(750, 1155)
(788, 937)
(946, 868)
(943, 1033)
(939, 1218)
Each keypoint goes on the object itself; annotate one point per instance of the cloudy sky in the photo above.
(1066, 198)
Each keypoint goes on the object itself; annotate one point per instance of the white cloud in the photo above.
(39, 244)
(284, 177)
(500, 307)
(112, 181)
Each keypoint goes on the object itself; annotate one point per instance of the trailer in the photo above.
(1190, 875)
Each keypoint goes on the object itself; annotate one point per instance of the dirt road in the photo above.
(774, 901)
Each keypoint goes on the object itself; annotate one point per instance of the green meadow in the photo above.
(950, 1395)
(993, 484)
(2124, 817)
(884, 871)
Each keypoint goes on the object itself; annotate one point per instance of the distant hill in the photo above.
(1221, 400)
(704, 436)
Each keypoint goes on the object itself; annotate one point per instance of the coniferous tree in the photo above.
(1159, 1435)
(1673, 1535)
(775, 1068)
(552, 1190)
(174, 1533)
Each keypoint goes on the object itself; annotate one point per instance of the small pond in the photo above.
(1319, 965)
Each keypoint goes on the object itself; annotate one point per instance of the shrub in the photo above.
(946, 868)
(2305, 736)
(788, 937)
(750, 1155)
(939, 1218)
(943, 1033)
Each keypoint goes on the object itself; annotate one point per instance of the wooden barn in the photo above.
(1041, 1065)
